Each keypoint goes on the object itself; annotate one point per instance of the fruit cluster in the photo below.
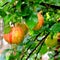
(18, 31)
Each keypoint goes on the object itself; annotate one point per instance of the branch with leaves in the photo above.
(39, 44)
(43, 39)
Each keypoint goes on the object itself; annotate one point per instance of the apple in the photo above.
(50, 42)
(40, 21)
(15, 36)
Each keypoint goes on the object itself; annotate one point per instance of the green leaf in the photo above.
(2, 13)
(7, 29)
(55, 28)
(7, 1)
(6, 7)
(7, 19)
(43, 49)
(1, 3)
(53, 2)
(32, 21)
(18, 6)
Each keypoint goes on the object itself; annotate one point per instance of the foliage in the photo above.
(26, 11)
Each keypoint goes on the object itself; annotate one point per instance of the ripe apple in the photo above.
(40, 21)
(15, 36)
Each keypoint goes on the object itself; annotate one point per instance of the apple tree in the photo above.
(34, 30)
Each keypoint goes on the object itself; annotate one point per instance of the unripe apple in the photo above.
(50, 42)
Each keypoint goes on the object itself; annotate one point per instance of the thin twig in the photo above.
(39, 42)
(31, 45)
(56, 52)
(39, 49)
(34, 40)
(5, 4)
(37, 46)
(50, 5)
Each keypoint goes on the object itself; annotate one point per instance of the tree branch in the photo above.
(40, 42)
(37, 46)
(5, 4)
(49, 5)
(39, 49)
(30, 45)
(34, 40)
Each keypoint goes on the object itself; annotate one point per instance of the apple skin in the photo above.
(17, 35)
(8, 37)
(23, 26)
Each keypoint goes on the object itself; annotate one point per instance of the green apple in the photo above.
(50, 42)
